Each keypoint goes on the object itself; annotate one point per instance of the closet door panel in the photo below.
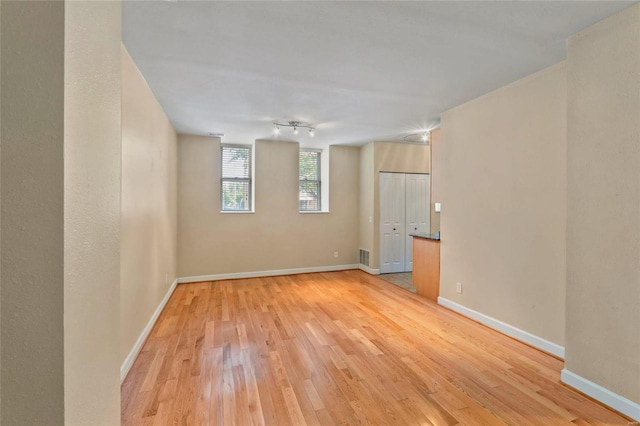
(418, 213)
(392, 222)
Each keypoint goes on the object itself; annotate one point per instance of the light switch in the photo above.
(437, 207)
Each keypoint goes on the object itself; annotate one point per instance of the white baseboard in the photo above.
(369, 270)
(255, 274)
(603, 395)
(509, 330)
(128, 362)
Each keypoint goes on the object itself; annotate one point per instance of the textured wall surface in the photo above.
(148, 242)
(436, 174)
(503, 191)
(92, 129)
(31, 195)
(365, 234)
(276, 236)
(603, 234)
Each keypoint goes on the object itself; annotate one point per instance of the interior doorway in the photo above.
(404, 209)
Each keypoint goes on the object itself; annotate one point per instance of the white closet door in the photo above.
(392, 222)
(418, 212)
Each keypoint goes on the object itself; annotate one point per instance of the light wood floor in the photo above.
(338, 348)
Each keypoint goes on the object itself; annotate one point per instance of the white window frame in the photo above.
(249, 179)
(319, 180)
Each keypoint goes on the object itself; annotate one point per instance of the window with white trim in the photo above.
(310, 183)
(235, 184)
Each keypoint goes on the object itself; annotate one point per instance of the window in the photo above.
(309, 194)
(236, 177)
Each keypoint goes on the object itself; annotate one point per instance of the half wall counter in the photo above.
(426, 264)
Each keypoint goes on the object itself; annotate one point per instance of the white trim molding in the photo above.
(369, 270)
(601, 394)
(128, 361)
(256, 274)
(509, 330)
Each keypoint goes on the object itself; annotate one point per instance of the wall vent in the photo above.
(364, 257)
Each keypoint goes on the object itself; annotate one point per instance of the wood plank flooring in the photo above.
(338, 348)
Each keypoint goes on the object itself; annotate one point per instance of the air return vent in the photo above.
(364, 257)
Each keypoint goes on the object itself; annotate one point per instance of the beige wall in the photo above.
(503, 193)
(31, 197)
(92, 131)
(60, 198)
(603, 235)
(148, 233)
(365, 236)
(401, 157)
(276, 236)
(377, 157)
(434, 145)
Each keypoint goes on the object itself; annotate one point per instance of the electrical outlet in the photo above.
(459, 288)
(335, 254)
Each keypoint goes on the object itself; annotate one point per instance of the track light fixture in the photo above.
(295, 125)
(421, 137)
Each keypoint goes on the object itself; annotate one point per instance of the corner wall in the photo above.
(434, 145)
(366, 190)
(32, 227)
(92, 166)
(148, 234)
(60, 225)
(503, 193)
(603, 234)
(276, 236)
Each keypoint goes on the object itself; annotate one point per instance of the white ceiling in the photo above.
(359, 71)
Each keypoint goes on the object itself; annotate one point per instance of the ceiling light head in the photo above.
(295, 130)
(311, 132)
(276, 129)
(421, 138)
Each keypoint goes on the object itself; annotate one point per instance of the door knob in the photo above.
(394, 229)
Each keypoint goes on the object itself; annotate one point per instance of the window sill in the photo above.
(312, 212)
(237, 212)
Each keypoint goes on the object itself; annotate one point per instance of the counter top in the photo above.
(426, 236)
